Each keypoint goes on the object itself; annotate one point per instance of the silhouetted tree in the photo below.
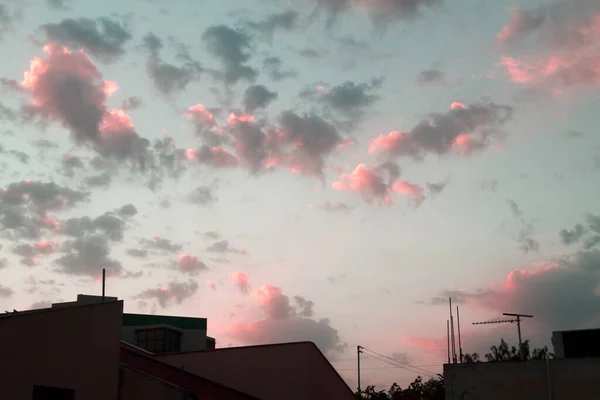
(505, 353)
(433, 389)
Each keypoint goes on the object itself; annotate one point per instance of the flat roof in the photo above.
(179, 322)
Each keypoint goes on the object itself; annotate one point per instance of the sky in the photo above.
(323, 170)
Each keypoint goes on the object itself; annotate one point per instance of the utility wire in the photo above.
(364, 368)
(400, 366)
(400, 362)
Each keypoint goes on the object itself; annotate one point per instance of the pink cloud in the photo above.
(45, 247)
(211, 284)
(391, 142)
(415, 192)
(242, 281)
(200, 114)
(377, 183)
(521, 23)
(190, 264)
(67, 87)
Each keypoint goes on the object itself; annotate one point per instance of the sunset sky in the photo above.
(323, 170)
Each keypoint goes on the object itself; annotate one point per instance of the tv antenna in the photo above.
(517, 319)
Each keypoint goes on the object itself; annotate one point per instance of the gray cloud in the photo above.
(202, 195)
(41, 197)
(87, 256)
(58, 4)
(190, 264)
(314, 137)
(174, 292)
(561, 295)
(161, 244)
(305, 307)
(5, 291)
(590, 235)
(430, 77)
(222, 246)
(273, 67)
(286, 21)
(335, 207)
(126, 211)
(381, 12)
(168, 78)
(131, 103)
(436, 188)
(232, 48)
(100, 180)
(104, 37)
(256, 97)
(109, 225)
(8, 19)
(437, 133)
(349, 98)
(525, 229)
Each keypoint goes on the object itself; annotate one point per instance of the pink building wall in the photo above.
(69, 347)
(291, 371)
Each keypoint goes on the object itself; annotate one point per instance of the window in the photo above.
(52, 393)
(159, 340)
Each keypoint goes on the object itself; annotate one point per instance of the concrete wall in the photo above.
(68, 347)
(562, 379)
(293, 371)
(191, 339)
(137, 385)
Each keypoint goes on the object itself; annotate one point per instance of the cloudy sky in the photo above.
(325, 170)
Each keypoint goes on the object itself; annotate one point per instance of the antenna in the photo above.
(459, 342)
(103, 283)
(512, 321)
(448, 330)
(358, 351)
(452, 334)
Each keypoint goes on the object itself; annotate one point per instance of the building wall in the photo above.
(191, 339)
(200, 387)
(561, 379)
(74, 347)
(295, 371)
(137, 385)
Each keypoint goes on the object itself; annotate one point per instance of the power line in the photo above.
(400, 362)
(363, 368)
(408, 368)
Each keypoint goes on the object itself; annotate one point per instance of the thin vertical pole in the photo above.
(103, 283)
(448, 330)
(452, 332)
(520, 341)
(459, 342)
(358, 360)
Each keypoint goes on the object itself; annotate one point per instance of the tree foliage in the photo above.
(505, 353)
(433, 389)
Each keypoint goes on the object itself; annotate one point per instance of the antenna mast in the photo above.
(103, 283)
(358, 351)
(517, 319)
(452, 340)
(459, 342)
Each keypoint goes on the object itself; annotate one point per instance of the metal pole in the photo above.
(459, 342)
(358, 351)
(448, 330)
(452, 334)
(520, 342)
(103, 283)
